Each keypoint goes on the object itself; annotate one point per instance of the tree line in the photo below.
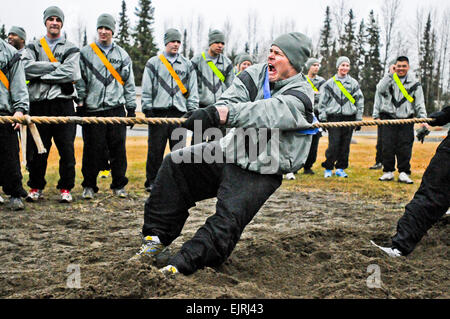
(371, 43)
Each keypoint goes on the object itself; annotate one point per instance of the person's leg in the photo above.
(240, 196)
(389, 137)
(312, 155)
(64, 138)
(379, 147)
(344, 147)
(10, 174)
(116, 140)
(429, 204)
(404, 147)
(333, 147)
(177, 187)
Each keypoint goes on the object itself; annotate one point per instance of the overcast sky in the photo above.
(308, 15)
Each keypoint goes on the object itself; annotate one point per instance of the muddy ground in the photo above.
(300, 245)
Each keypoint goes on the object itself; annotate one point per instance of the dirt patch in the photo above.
(300, 245)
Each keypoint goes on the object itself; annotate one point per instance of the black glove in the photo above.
(131, 113)
(80, 111)
(441, 117)
(357, 128)
(421, 133)
(149, 113)
(209, 117)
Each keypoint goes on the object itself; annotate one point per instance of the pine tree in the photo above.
(144, 46)
(326, 42)
(123, 36)
(426, 61)
(3, 34)
(373, 69)
(348, 43)
(360, 52)
(85, 40)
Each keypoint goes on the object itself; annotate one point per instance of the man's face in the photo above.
(54, 26)
(173, 47)
(105, 35)
(16, 41)
(217, 48)
(244, 65)
(279, 66)
(402, 68)
(314, 69)
(343, 69)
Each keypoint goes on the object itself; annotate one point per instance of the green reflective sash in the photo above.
(343, 90)
(214, 68)
(402, 88)
(312, 85)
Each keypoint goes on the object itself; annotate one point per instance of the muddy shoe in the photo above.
(151, 246)
(16, 203)
(34, 195)
(88, 193)
(169, 271)
(1, 200)
(391, 251)
(120, 192)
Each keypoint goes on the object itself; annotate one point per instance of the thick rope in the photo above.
(158, 121)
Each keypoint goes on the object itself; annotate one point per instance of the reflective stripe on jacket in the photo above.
(16, 98)
(160, 90)
(98, 89)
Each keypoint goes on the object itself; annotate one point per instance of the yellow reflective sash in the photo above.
(402, 88)
(173, 74)
(47, 50)
(343, 90)
(214, 68)
(105, 61)
(312, 85)
(4, 80)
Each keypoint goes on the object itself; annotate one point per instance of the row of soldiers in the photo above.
(100, 80)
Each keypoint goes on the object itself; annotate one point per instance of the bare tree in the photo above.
(79, 31)
(390, 12)
(200, 29)
(339, 11)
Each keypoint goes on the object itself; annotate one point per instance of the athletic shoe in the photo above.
(289, 176)
(66, 197)
(88, 193)
(387, 176)
(149, 188)
(16, 203)
(151, 246)
(341, 173)
(404, 178)
(34, 195)
(328, 173)
(120, 192)
(169, 270)
(391, 251)
(308, 171)
(104, 174)
(376, 166)
(1, 200)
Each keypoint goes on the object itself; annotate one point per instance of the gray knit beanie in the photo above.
(296, 46)
(106, 20)
(341, 60)
(310, 62)
(244, 57)
(172, 35)
(216, 36)
(19, 31)
(53, 11)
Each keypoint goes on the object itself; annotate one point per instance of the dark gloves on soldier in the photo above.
(80, 111)
(441, 117)
(209, 117)
(131, 113)
(357, 128)
(421, 133)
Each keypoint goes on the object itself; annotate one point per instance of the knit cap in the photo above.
(244, 57)
(216, 36)
(53, 11)
(310, 62)
(19, 31)
(106, 20)
(296, 46)
(172, 35)
(341, 60)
